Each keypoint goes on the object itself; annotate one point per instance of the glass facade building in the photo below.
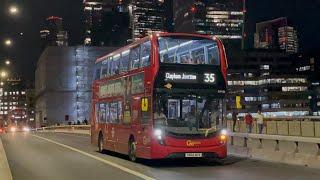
(53, 33)
(268, 81)
(93, 16)
(223, 18)
(276, 34)
(146, 16)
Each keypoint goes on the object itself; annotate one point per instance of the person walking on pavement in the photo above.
(260, 122)
(248, 120)
(234, 119)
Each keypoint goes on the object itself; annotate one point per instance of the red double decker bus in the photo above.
(162, 97)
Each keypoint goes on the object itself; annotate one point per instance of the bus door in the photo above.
(124, 129)
(143, 130)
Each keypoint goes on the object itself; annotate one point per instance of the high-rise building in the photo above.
(146, 16)
(223, 18)
(93, 17)
(276, 34)
(105, 21)
(53, 33)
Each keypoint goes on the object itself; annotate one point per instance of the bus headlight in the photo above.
(223, 136)
(224, 132)
(13, 129)
(158, 133)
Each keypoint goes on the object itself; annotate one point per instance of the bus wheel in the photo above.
(132, 151)
(100, 143)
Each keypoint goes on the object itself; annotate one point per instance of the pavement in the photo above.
(46, 156)
(5, 172)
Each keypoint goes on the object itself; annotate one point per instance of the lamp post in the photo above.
(8, 42)
(7, 62)
(13, 10)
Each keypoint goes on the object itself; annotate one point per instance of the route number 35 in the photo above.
(209, 78)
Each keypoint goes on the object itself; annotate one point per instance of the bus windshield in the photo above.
(189, 115)
(188, 50)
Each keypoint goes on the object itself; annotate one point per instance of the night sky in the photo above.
(304, 15)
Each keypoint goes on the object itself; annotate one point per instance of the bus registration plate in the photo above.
(193, 155)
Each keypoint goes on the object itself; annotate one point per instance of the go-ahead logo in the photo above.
(191, 143)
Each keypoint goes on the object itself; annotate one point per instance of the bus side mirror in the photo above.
(144, 104)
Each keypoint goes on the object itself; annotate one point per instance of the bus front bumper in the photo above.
(163, 152)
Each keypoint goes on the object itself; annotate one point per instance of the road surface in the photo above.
(46, 156)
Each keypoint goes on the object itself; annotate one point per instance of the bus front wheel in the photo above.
(132, 151)
(100, 143)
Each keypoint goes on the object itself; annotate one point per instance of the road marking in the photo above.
(138, 174)
(5, 171)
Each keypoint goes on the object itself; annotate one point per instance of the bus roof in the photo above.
(159, 34)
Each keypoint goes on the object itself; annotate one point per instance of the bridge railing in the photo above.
(285, 127)
(78, 129)
(295, 150)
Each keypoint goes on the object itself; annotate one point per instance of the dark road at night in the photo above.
(48, 156)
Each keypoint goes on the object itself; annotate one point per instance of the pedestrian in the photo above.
(234, 119)
(248, 120)
(85, 121)
(260, 122)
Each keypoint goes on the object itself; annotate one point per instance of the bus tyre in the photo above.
(100, 144)
(132, 151)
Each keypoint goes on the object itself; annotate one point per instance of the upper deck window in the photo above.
(188, 50)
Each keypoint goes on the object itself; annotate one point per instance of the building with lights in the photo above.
(12, 96)
(269, 81)
(276, 34)
(63, 80)
(146, 16)
(93, 18)
(223, 18)
(309, 65)
(53, 33)
(105, 21)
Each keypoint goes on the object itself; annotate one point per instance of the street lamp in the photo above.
(13, 10)
(3, 74)
(8, 42)
(8, 62)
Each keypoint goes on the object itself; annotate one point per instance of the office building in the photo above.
(63, 81)
(267, 80)
(12, 96)
(276, 34)
(53, 33)
(146, 16)
(223, 18)
(93, 19)
(309, 65)
(106, 22)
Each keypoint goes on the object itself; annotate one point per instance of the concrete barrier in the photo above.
(75, 129)
(307, 129)
(283, 128)
(294, 128)
(317, 129)
(282, 149)
(272, 127)
(242, 127)
(5, 172)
